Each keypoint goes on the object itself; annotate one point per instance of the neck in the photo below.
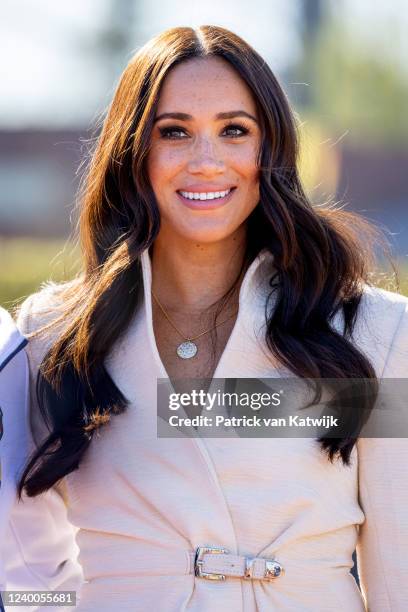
(190, 277)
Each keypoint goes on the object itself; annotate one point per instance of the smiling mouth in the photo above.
(208, 195)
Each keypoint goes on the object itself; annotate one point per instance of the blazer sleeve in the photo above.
(39, 550)
(382, 550)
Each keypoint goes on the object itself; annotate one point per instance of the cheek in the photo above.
(245, 161)
(162, 165)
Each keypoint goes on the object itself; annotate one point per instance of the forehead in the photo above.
(208, 84)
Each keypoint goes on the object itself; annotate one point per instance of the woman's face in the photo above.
(202, 162)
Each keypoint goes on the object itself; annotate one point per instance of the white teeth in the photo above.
(211, 195)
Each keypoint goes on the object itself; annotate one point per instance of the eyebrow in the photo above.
(227, 115)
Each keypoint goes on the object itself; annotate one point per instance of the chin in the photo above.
(206, 235)
(202, 231)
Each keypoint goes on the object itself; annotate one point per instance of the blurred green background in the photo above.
(341, 63)
(28, 262)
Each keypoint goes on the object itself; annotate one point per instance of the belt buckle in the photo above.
(273, 570)
(199, 561)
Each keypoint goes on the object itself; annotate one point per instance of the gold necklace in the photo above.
(188, 349)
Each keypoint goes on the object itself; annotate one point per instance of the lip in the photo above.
(206, 188)
(206, 204)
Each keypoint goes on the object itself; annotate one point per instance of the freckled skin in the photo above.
(206, 154)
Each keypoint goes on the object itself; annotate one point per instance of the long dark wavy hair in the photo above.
(318, 257)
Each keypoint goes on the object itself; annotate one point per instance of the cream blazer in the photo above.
(138, 505)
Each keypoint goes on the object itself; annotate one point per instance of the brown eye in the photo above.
(235, 130)
(172, 132)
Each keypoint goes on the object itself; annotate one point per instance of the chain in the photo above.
(181, 333)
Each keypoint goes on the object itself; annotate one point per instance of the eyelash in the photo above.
(166, 132)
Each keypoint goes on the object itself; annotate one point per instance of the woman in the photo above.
(204, 258)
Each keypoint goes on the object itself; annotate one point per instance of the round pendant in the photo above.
(187, 350)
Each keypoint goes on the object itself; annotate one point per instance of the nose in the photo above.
(205, 158)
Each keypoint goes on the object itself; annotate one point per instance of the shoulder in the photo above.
(381, 329)
(40, 319)
(384, 303)
(11, 340)
(40, 308)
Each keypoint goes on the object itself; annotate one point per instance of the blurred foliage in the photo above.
(319, 160)
(26, 263)
(355, 87)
